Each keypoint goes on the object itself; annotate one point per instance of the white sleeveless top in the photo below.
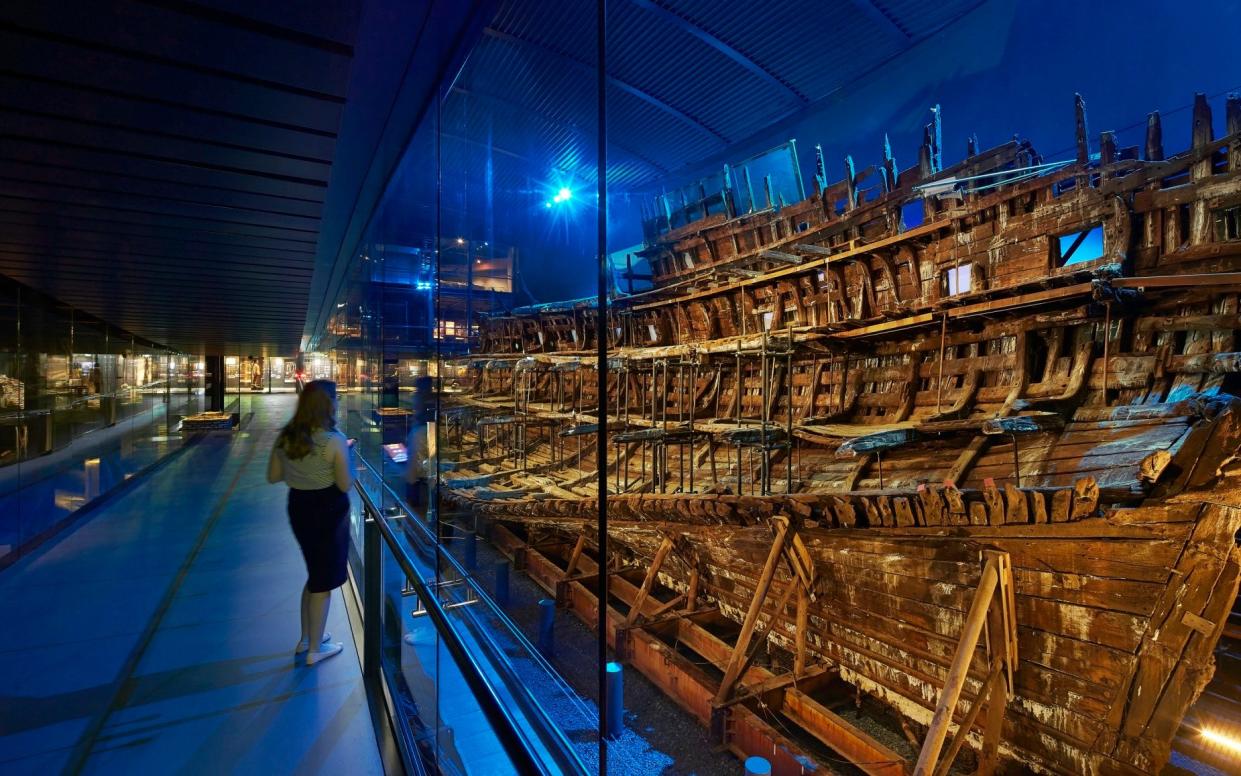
(313, 472)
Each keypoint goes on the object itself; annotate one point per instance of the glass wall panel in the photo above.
(518, 230)
(488, 211)
(84, 406)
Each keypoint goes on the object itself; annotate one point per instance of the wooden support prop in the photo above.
(1002, 648)
(992, 607)
(966, 459)
(763, 691)
(668, 606)
(648, 582)
(733, 672)
(993, 679)
(781, 606)
(575, 556)
(803, 620)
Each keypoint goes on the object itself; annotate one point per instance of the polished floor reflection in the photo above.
(156, 636)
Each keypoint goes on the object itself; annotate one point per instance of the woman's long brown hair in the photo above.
(316, 409)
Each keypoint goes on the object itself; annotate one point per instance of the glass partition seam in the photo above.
(602, 374)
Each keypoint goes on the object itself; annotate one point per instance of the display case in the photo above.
(83, 406)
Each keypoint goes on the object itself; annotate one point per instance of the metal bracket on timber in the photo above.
(992, 614)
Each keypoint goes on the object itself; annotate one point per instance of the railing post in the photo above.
(371, 595)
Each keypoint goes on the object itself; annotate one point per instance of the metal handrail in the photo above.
(506, 728)
(484, 597)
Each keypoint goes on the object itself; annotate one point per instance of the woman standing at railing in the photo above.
(313, 458)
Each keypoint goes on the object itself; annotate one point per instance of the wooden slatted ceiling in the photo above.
(163, 163)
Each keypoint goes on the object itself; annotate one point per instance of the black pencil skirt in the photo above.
(320, 521)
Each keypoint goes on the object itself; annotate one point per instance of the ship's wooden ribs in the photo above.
(1106, 693)
(1079, 375)
(965, 397)
(993, 606)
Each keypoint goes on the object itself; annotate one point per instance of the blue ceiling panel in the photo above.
(687, 79)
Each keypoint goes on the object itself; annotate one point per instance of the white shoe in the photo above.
(303, 646)
(323, 653)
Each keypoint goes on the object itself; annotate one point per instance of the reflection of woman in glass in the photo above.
(314, 459)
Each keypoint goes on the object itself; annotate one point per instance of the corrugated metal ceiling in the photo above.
(163, 163)
(687, 78)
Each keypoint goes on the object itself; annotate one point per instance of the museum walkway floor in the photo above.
(156, 635)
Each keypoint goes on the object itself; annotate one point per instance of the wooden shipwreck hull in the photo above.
(825, 431)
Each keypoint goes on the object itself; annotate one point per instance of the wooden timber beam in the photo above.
(994, 679)
(649, 581)
(691, 592)
(734, 670)
(665, 615)
(575, 555)
(767, 690)
(752, 651)
(850, 481)
(869, 756)
(994, 607)
(803, 625)
(977, 446)
(781, 256)
(1178, 281)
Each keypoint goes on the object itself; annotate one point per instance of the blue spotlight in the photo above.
(564, 195)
